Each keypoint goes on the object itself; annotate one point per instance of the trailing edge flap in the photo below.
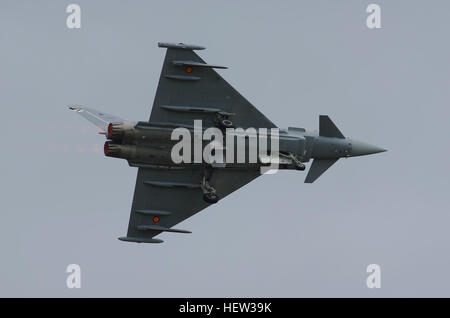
(318, 167)
(327, 128)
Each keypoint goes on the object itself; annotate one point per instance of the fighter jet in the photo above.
(190, 90)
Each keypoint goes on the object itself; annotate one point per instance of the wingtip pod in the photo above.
(75, 108)
(180, 46)
(140, 240)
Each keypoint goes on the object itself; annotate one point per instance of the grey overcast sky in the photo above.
(63, 202)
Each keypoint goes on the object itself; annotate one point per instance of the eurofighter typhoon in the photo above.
(204, 141)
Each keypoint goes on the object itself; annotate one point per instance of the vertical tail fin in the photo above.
(98, 118)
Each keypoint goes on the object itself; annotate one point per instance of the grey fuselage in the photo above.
(148, 144)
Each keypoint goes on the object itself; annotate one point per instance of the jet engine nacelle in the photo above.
(121, 131)
(136, 152)
(119, 151)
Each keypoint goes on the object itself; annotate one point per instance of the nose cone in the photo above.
(360, 148)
